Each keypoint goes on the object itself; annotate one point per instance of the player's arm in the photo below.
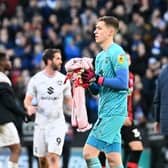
(120, 81)
(94, 88)
(28, 105)
(8, 99)
(30, 94)
(121, 71)
(67, 100)
(128, 122)
(67, 105)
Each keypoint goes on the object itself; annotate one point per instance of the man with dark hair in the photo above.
(9, 110)
(110, 81)
(48, 97)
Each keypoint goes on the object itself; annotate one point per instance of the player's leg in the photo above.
(55, 141)
(93, 146)
(113, 155)
(136, 148)
(39, 146)
(125, 154)
(125, 146)
(43, 162)
(133, 140)
(66, 153)
(91, 151)
(113, 149)
(53, 160)
(97, 141)
(15, 150)
(102, 158)
(10, 138)
(90, 154)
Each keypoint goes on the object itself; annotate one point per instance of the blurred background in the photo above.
(27, 27)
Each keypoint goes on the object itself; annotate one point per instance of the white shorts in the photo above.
(8, 135)
(49, 139)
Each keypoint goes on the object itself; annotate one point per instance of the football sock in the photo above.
(132, 165)
(93, 163)
(134, 159)
(102, 159)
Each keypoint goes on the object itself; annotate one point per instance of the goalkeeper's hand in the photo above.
(89, 76)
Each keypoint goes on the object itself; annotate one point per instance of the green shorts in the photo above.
(108, 129)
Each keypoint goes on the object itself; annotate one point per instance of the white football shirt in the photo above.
(48, 93)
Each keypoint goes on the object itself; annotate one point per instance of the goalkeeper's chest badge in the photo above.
(121, 59)
(106, 60)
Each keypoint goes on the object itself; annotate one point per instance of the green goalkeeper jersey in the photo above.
(111, 101)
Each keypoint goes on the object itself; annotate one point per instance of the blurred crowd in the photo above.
(27, 27)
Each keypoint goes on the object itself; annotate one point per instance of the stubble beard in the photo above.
(56, 67)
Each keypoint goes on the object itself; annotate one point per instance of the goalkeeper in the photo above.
(110, 81)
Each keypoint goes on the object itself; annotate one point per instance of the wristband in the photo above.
(100, 80)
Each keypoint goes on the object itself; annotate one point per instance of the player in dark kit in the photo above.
(130, 133)
(9, 112)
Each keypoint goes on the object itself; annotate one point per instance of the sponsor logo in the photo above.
(48, 98)
(50, 90)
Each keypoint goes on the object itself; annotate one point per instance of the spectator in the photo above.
(160, 102)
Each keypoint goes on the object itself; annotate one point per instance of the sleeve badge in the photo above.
(121, 59)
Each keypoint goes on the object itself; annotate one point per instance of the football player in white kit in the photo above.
(9, 111)
(53, 97)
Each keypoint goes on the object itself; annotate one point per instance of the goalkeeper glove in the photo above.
(89, 76)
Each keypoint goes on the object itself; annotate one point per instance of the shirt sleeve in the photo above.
(31, 88)
(67, 90)
(7, 98)
(120, 67)
(118, 82)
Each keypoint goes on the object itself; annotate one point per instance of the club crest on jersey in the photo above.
(106, 60)
(121, 59)
(59, 82)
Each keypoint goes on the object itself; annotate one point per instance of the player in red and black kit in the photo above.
(131, 136)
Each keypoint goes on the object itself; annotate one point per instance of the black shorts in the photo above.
(130, 133)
